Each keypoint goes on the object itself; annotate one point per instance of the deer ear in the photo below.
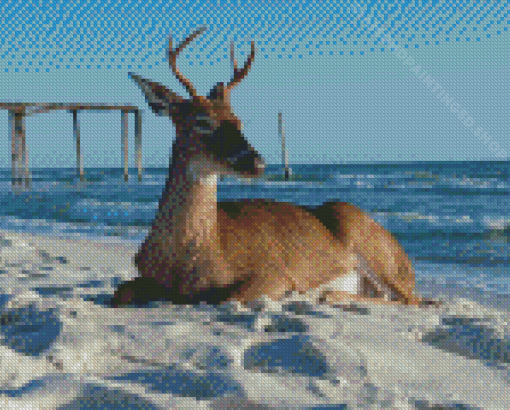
(162, 100)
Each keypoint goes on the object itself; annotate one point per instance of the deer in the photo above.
(199, 250)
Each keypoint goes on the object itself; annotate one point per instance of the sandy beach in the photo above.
(63, 348)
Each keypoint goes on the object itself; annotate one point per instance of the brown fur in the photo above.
(201, 250)
(270, 248)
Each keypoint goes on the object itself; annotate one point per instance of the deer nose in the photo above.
(245, 156)
(247, 161)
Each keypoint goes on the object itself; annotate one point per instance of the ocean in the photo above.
(452, 218)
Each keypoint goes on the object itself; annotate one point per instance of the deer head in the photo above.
(208, 134)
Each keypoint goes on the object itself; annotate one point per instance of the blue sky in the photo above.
(355, 81)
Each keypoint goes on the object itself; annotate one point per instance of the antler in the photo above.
(172, 60)
(232, 58)
(240, 74)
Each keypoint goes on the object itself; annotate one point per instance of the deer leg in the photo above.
(331, 297)
(140, 290)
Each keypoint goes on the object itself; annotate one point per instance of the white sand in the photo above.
(62, 348)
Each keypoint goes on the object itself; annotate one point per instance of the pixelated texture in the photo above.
(322, 259)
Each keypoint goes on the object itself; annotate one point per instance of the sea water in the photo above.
(452, 218)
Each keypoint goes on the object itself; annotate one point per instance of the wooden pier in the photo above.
(19, 149)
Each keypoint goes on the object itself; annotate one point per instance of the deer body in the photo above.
(202, 250)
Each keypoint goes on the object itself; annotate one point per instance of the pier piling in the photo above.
(19, 149)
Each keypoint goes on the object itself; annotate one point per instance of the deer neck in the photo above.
(185, 237)
(187, 215)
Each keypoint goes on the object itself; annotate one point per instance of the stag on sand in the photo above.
(199, 249)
